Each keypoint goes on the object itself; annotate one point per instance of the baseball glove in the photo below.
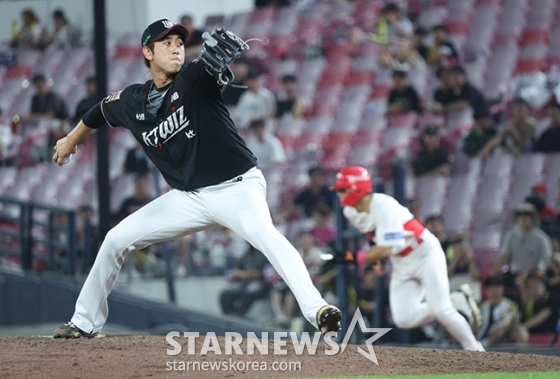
(219, 49)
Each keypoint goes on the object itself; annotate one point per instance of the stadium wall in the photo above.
(33, 299)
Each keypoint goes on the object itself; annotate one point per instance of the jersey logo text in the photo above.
(167, 129)
(174, 97)
(112, 97)
(140, 116)
(190, 134)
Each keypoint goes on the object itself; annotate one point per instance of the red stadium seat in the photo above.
(18, 71)
(459, 28)
(534, 37)
(380, 91)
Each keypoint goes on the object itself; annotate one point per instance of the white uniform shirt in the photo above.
(6, 138)
(387, 219)
(254, 106)
(269, 152)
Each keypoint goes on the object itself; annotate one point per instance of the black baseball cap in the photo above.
(431, 130)
(160, 29)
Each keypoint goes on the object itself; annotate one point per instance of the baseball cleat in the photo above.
(328, 319)
(477, 317)
(479, 347)
(69, 330)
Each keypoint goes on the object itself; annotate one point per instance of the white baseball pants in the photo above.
(424, 273)
(238, 204)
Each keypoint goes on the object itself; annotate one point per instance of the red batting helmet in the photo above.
(357, 180)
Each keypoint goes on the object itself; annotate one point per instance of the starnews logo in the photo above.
(301, 343)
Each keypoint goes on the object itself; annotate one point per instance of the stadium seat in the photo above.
(364, 154)
(527, 171)
(214, 21)
(430, 193)
(458, 209)
(485, 257)
(552, 176)
(432, 17)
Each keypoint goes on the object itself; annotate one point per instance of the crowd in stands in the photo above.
(519, 295)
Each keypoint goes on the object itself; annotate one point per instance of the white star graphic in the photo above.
(379, 332)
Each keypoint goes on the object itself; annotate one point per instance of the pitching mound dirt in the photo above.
(115, 357)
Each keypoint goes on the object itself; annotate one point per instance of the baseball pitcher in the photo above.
(184, 128)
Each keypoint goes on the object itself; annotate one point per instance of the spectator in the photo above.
(432, 159)
(436, 225)
(418, 42)
(290, 106)
(233, 92)
(549, 141)
(311, 254)
(538, 198)
(403, 97)
(255, 103)
(282, 300)
(195, 40)
(88, 238)
(553, 274)
(366, 293)
(6, 136)
(267, 148)
(140, 198)
(540, 306)
(136, 161)
(462, 94)
(219, 249)
(64, 35)
(519, 132)
(401, 56)
(323, 231)
(316, 192)
(558, 196)
(393, 23)
(463, 260)
(443, 92)
(88, 102)
(482, 139)
(45, 103)
(500, 316)
(442, 52)
(276, 3)
(247, 284)
(413, 206)
(61, 239)
(462, 267)
(30, 33)
(525, 246)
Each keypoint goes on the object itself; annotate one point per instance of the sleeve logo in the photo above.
(393, 236)
(112, 97)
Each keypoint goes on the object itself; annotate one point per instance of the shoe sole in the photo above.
(75, 334)
(466, 289)
(328, 319)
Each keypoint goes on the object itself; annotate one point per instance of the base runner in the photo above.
(418, 262)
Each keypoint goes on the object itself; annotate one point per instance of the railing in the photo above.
(39, 237)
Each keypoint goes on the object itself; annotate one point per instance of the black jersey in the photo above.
(192, 139)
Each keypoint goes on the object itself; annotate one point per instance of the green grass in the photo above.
(501, 375)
